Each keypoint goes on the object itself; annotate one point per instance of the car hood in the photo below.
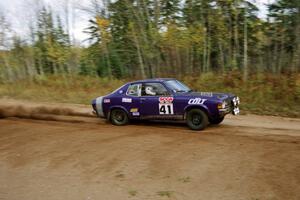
(208, 95)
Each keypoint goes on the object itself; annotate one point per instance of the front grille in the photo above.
(230, 107)
(229, 104)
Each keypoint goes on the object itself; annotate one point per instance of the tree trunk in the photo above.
(245, 75)
(296, 58)
(140, 59)
(204, 52)
(281, 54)
(221, 62)
(208, 54)
(236, 36)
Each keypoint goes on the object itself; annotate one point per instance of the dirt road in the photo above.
(53, 151)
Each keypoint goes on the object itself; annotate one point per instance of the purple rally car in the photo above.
(165, 99)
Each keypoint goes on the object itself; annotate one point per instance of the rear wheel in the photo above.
(216, 120)
(196, 119)
(118, 117)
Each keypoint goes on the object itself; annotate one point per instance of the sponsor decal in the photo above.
(197, 101)
(106, 100)
(166, 99)
(126, 100)
(135, 114)
(166, 109)
(166, 106)
(207, 94)
(134, 110)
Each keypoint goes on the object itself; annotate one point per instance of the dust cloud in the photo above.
(39, 112)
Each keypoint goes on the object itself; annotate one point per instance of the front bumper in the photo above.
(232, 106)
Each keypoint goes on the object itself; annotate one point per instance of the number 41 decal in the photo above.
(166, 109)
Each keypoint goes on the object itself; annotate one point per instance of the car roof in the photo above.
(152, 80)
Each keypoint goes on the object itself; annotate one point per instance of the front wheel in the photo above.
(197, 119)
(118, 117)
(216, 120)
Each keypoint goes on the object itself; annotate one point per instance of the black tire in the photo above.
(216, 120)
(118, 117)
(196, 119)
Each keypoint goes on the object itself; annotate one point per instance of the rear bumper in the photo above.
(98, 107)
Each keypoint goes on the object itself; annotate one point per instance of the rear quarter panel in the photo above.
(121, 100)
(114, 100)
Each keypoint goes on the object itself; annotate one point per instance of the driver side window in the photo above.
(134, 90)
(154, 89)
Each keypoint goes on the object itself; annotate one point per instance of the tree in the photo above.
(6, 72)
(285, 27)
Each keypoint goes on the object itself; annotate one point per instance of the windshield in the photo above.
(177, 86)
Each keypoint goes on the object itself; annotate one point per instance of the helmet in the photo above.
(149, 90)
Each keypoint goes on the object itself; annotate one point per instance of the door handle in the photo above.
(142, 99)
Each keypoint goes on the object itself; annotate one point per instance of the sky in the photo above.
(19, 13)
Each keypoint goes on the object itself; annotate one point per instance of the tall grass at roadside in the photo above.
(78, 89)
(261, 94)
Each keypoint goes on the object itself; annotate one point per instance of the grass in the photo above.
(132, 193)
(119, 175)
(164, 193)
(261, 94)
(79, 89)
(185, 179)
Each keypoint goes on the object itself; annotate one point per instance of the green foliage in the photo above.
(161, 38)
(51, 45)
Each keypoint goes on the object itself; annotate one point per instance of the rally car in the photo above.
(165, 99)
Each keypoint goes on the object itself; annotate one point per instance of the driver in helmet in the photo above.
(149, 91)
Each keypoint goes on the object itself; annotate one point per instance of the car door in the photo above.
(131, 100)
(156, 101)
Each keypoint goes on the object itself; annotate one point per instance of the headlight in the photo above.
(234, 101)
(222, 105)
